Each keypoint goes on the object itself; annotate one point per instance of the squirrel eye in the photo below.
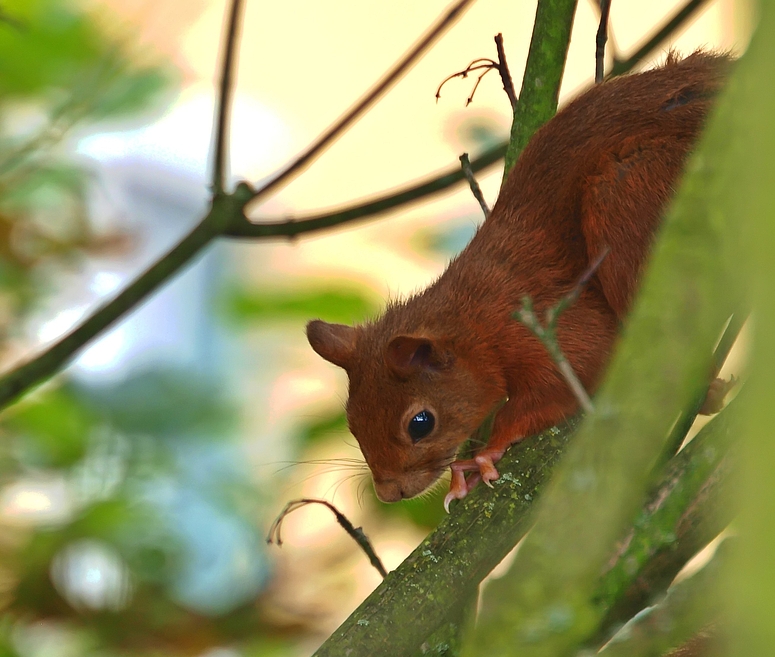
(421, 425)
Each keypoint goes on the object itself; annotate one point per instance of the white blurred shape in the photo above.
(60, 324)
(105, 354)
(105, 282)
(92, 575)
(36, 502)
(181, 138)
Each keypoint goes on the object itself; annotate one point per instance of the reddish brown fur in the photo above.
(598, 174)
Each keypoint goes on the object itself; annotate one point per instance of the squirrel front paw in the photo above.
(482, 467)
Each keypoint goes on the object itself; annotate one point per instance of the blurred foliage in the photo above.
(449, 239)
(165, 402)
(105, 468)
(334, 422)
(334, 304)
(59, 71)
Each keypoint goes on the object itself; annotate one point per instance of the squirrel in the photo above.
(430, 370)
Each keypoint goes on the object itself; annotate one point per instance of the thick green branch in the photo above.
(543, 73)
(689, 607)
(685, 511)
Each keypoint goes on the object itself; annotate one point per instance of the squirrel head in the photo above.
(413, 400)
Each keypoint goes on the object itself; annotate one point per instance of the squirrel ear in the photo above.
(406, 354)
(334, 342)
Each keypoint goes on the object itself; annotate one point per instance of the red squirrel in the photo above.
(431, 369)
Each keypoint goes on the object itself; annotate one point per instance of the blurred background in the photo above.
(136, 489)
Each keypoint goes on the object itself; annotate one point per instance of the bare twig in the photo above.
(503, 69)
(485, 64)
(600, 40)
(673, 24)
(547, 332)
(294, 226)
(465, 164)
(401, 67)
(226, 93)
(687, 418)
(356, 533)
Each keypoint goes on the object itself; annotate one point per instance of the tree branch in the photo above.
(225, 96)
(465, 165)
(600, 40)
(689, 607)
(49, 362)
(543, 71)
(292, 227)
(421, 593)
(684, 512)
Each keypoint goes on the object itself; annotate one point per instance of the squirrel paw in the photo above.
(483, 469)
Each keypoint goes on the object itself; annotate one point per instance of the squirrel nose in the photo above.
(389, 490)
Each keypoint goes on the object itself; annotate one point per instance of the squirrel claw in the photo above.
(458, 489)
(486, 469)
(481, 468)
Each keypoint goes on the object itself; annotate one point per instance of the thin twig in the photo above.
(356, 533)
(547, 332)
(294, 226)
(465, 164)
(485, 64)
(600, 40)
(403, 65)
(503, 70)
(681, 16)
(687, 418)
(225, 96)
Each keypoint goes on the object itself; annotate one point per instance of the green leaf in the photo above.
(50, 48)
(317, 430)
(164, 403)
(334, 304)
(53, 429)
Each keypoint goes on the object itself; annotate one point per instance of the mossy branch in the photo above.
(417, 598)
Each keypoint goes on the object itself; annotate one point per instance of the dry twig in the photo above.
(465, 164)
(547, 332)
(356, 533)
(485, 64)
